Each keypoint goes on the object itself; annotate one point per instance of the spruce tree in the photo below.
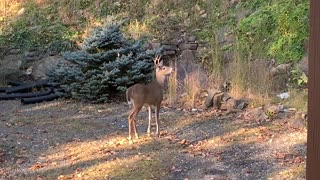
(106, 65)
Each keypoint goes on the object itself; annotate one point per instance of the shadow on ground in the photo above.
(69, 140)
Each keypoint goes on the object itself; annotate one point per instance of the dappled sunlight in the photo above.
(42, 106)
(242, 136)
(290, 139)
(97, 158)
(133, 167)
(9, 8)
(291, 172)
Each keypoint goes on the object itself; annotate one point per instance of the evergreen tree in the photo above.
(106, 65)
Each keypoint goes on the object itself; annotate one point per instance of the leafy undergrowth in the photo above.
(70, 140)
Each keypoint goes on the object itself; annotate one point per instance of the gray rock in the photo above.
(190, 46)
(10, 67)
(31, 56)
(256, 114)
(155, 45)
(43, 66)
(192, 39)
(169, 47)
(14, 51)
(209, 99)
(280, 69)
(217, 100)
(242, 104)
(297, 123)
(166, 53)
(226, 97)
(229, 104)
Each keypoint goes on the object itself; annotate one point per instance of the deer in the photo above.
(147, 95)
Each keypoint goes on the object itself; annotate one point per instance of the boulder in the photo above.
(217, 100)
(256, 114)
(190, 46)
(297, 123)
(168, 53)
(228, 105)
(155, 45)
(31, 56)
(280, 69)
(241, 104)
(192, 39)
(43, 66)
(11, 67)
(209, 99)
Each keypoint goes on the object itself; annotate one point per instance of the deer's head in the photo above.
(161, 70)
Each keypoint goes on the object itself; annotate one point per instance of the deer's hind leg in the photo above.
(130, 122)
(134, 115)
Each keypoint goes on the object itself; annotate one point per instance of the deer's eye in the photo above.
(163, 68)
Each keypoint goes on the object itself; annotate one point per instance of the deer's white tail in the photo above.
(128, 96)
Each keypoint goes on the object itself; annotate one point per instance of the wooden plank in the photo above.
(313, 147)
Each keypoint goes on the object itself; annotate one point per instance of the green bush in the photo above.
(276, 31)
(106, 66)
(37, 28)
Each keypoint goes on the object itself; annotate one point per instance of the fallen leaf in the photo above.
(183, 142)
(20, 161)
(298, 160)
(36, 166)
(62, 177)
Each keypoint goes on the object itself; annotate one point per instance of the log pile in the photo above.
(32, 92)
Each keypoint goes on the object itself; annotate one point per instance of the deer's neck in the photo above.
(160, 81)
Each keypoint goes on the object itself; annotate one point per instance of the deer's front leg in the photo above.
(149, 124)
(157, 110)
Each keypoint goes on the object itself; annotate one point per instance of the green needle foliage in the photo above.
(107, 64)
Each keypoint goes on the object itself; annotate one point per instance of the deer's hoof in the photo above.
(137, 136)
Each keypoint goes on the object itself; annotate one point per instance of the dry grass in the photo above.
(173, 88)
(192, 88)
(250, 79)
(137, 29)
(8, 9)
(298, 99)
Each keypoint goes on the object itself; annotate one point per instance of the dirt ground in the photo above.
(71, 140)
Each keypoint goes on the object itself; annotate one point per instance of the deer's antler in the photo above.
(157, 60)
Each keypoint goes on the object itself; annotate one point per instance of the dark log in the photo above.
(4, 89)
(49, 97)
(15, 83)
(27, 88)
(24, 95)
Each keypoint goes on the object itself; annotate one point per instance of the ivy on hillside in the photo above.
(276, 31)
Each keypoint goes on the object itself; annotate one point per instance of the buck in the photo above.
(148, 95)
